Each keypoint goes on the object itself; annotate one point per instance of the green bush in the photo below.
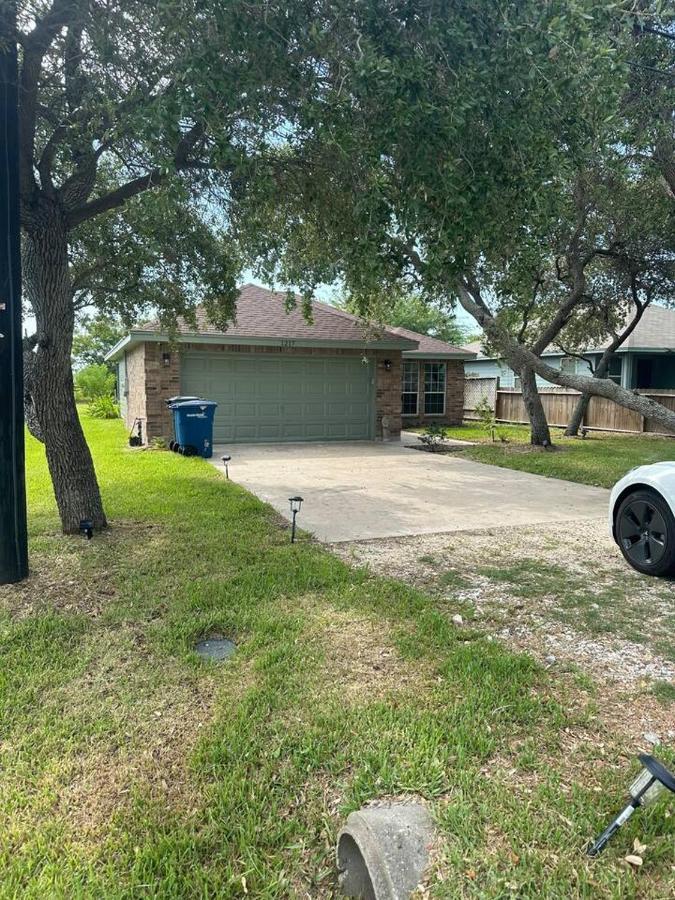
(103, 407)
(94, 381)
(434, 437)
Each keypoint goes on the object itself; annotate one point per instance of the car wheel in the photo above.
(645, 532)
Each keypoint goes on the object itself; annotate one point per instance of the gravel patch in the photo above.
(588, 607)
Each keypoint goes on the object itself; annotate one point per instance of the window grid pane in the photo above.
(434, 388)
(409, 388)
(410, 378)
(409, 404)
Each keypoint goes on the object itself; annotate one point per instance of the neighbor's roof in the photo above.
(262, 318)
(654, 332)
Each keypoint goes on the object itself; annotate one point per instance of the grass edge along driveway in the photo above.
(129, 767)
(600, 459)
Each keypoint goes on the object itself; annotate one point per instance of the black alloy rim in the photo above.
(642, 533)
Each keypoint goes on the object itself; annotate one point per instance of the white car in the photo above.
(642, 518)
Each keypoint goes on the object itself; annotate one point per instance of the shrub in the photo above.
(94, 381)
(433, 437)
(103, 407)
(486, 416)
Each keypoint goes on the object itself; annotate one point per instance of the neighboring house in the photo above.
(277, 377)
(646, 361)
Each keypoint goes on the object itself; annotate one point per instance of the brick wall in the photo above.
(156, 381)
(134, 360)
(388, 395)
(162, 380)
(454, 396)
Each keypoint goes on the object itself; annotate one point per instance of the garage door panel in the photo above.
(275, 398)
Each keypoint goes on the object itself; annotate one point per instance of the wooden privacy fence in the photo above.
(559, 403)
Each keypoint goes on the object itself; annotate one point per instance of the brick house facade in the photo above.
(154, 374)
(153, 369)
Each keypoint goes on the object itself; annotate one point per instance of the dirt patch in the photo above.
(135, 719)
(78, 576)
(359, 658)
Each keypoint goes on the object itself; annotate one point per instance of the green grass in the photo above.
(664, 691)
(128, 767)
(599, 459)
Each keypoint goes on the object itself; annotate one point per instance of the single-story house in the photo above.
(277, 377)
(646, 361)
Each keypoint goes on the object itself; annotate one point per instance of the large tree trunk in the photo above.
(540, 435)
(29, 413)
(577, 419)
(47, 281)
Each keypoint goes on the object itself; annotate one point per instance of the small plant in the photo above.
(433, 437)
(486, 417)
(158, 443)
(103, 407)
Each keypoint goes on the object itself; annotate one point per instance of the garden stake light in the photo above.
(296, 503)
(87, 528)
(226, 460)
(654, 780)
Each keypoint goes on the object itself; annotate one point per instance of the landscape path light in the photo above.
(87, 528)
(226, 460)
(296, 503)
(653, 780)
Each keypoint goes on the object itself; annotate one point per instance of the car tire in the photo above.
(644, 527)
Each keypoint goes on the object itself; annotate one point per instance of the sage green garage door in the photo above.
(283, 398)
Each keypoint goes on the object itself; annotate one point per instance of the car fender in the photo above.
(660, 477)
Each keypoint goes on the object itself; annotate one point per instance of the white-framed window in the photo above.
(568, 365)
(434, 388)
(409, 387)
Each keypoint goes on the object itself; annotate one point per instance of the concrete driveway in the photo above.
(361, 490)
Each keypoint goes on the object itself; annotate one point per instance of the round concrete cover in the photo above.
(382, 851)
(215, 649)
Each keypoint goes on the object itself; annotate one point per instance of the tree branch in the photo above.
(519, 357)
(35, 45)
(156, 177)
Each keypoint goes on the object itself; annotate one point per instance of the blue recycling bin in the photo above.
(193, 427)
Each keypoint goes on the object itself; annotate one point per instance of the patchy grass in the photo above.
(664, 691)
(599, 459)
(129, 767)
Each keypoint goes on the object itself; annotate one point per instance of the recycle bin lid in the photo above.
(180, 398)
(188, 404)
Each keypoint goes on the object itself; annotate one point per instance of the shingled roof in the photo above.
(262, 313)
(655, 332)
(430, 346)
(262, 317)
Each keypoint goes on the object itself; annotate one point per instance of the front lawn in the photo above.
(129, 767)
(599, 459)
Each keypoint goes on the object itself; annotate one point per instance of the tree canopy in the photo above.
(139, 124)
(94, 337)
(410, 310)
(482, 152)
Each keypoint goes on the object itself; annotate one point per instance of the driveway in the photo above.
(363, 490)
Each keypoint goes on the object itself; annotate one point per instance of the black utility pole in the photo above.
(13, 537)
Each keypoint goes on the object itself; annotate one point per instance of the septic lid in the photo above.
(215, 649)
